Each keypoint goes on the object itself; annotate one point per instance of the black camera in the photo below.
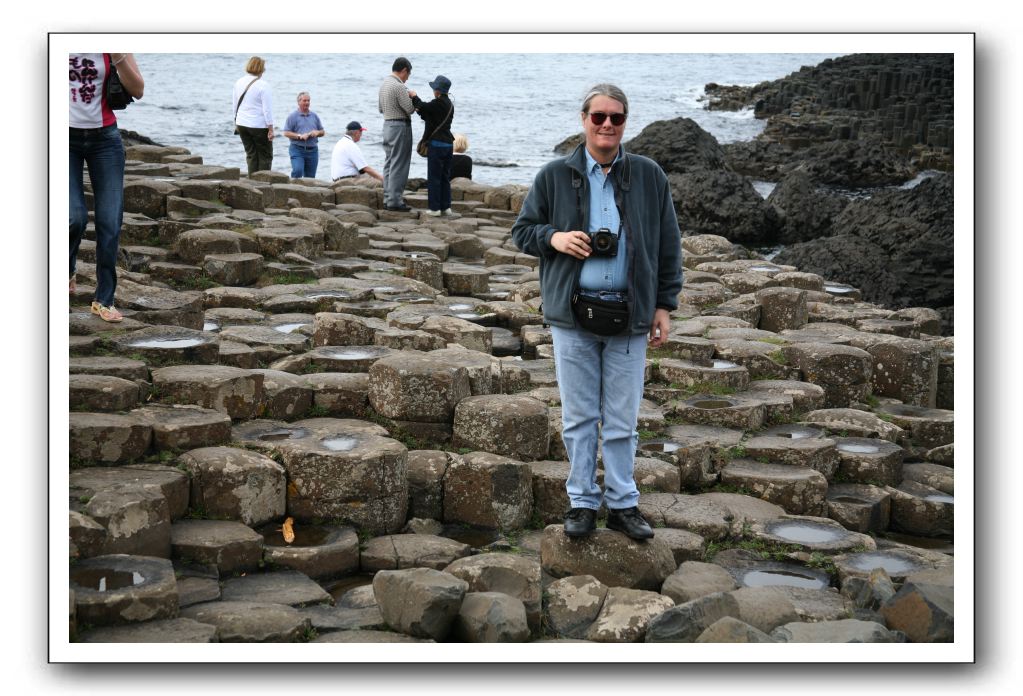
(604, 242)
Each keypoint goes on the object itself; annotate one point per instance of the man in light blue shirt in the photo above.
(303, 129)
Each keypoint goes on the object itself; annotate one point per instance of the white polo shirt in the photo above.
(346, 159)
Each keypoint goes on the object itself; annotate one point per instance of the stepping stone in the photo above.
(743, 283)
(423, 388)
(459, 331)
(285, 396)
(236, 484)
(179, 427)
(625, 615)
(120, 589)
(480, 367)
(136, 519)
(164, 345)
(684, 545)
(933, 475)
(924, 612)
(684, 623)
(102, 393)
(798, 490)
(267, 342)
(410, 340)
(689, 375)
(222, 317)
(288, 587)
(321, 552)
(765, 607)
(241, 298)
(426, 470)
(342, 470)
(514, 426)
(695, 579)
(812, 534)
(419, 602)
(722, 411)
(859, 507)
(229, 390)
(696, 514)
(653, 475)
(490, 617)
(227, 547)
(340, 329)
(842, 631)
(148, 196)
(744, 508)
(233, 269)
(815, 605)
(195, 245)
(488, 490)
(171, 483)
(782, 308)
(611, 557)
(340, 395)
(731, 630)
(922, 510)
(904, 369)
(400, 551)
(818, 454)
(869, 460)
(926, 427)
(758, 358)
(843, 372)
(897, 562)
(334, 359)
(509, 574)
(125, 368)
(805, 396)
(848, 422)
(327, 619)
(196, 590)
(161, 631)
(277, 242)
(158, 306)
(573, 603)
(251, 622)
(107, 437)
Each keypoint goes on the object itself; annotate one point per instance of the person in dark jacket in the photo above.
(461, 164)
(438, 114)
(603, 225)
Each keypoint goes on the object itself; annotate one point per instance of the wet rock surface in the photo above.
(356, 393)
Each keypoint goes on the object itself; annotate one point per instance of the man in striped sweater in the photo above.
(395, 103)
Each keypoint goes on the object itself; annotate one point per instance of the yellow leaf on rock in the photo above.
(288, 530)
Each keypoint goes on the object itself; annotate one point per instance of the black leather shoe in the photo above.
(580, 522)
(398, 208)
(630, 523)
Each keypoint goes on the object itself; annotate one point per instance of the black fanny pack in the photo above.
(602, 317)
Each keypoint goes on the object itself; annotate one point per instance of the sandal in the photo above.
(71, 285)
(106, 313)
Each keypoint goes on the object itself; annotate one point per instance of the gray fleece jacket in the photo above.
(559, 201)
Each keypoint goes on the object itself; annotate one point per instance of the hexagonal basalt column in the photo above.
(341, 470)
(488, 490)
(318, 551)
(782, 308)
(285, 396)
(689, 375)
(814, 453)
(460, 331)
(927, 427)
(859, 507)
(120, 589)
(230, 390)
(180, 427)
(515, 426)
(843, 372)
(726, 411)
(233, 269)
(233, 483)
(340, 329)
(136, 518)
(102, 393)
(334, 359)
(805, 396)
(798, 490)
(905, 369)
(869, 460)
(853, 423)
(922, 510)
(812, 534)
(226, 547)
(421, 388)
(161, 345)
(107, 437)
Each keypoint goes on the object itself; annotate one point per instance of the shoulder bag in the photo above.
(423, 148)
(116, 95)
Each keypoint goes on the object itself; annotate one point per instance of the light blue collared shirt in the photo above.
(603, 272)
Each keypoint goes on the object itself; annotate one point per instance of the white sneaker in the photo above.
(450, 213)
(433, 213)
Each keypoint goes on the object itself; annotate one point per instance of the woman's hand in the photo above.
(575, 243)
(659, 328)
(270, 133)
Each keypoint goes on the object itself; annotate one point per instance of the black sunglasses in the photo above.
(598, 118)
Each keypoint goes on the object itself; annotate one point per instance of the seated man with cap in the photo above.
(347, 161)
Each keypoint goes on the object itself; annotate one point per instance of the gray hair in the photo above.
(302, 94)
(605, 89)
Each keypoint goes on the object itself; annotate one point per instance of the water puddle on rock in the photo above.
(893, 565)
(459, 307)
(724, 364)
(468, 316)
(666, 446)
(939, 498)
(805, 533)
(838, 289)
(167, 343)
(104, 579)
(339, 588)
(210, 326)
(711, 404)
(305, 535)
(857, 449)
(340, 444)
(328, 294)
(288, 328)
(774, 578)
(477, 538)
(350, 354)
(765, 269)
(283, 434)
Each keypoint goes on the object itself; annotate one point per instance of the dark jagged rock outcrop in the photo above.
(130, 138)
(679, 145)
(846, 163)
(897, 247)
(805, 212)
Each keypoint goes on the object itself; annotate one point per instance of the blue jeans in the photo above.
(438, 176)
(601, 382)
(101, 150)
(304, 160)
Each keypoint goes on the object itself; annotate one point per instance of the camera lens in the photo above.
(602, 243)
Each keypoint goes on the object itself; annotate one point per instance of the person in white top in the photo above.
(253, 116)
(346, 160)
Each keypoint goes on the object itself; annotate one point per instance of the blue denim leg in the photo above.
(78, 218)
(600, 379)
(438, 177)
(103, 153)
(297, 156)
(312, 162)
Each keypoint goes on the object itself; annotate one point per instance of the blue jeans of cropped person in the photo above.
(438, 175)
(601, 383)
(304, 160)
(100, 150)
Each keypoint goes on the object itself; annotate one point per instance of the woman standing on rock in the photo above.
(603, 225)
(253, 116)
(95, 142)
(438, 114)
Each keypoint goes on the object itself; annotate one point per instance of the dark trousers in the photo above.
(259, 149)
(99, 149)
(438, 177)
